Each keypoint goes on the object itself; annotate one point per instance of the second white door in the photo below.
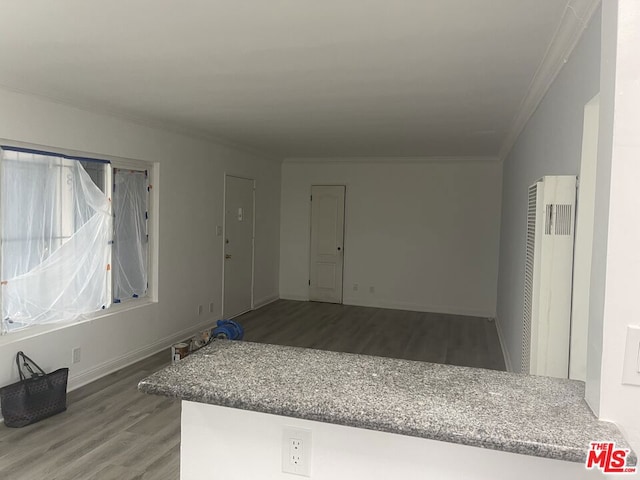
(238, 246)
(327, 243)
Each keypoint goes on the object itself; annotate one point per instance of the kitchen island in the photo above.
(375, 417)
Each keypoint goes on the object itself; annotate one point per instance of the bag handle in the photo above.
(26, 363)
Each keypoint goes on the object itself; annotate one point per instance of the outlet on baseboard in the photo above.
(75, 355)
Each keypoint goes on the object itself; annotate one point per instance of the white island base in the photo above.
(221, 443)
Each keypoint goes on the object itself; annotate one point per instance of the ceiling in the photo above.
(290, 78)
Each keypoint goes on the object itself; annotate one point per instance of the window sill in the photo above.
(37, 330)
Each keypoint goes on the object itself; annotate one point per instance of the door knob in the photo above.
(227, 256)
(339, 248)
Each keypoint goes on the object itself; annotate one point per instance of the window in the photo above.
(67, 248)
(131, 240)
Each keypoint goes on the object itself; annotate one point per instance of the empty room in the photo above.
(327, 240)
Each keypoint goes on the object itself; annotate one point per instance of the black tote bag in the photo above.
(32, 399)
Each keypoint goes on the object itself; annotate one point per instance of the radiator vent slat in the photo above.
(528, 279)
(548, 219)
(563, 219)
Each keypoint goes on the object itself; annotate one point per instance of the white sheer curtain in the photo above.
(130, 252)
(56, 226)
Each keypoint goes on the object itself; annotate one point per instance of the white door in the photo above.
(238, 246)
(327, 243)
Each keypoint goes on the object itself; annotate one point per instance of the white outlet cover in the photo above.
(631, 369)
(304, 467)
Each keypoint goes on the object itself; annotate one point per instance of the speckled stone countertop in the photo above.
(539, 416)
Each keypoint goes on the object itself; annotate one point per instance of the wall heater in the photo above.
(548, 276)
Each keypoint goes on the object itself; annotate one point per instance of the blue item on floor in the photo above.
(228, 329)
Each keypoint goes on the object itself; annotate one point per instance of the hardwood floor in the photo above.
(109, 431)
(427, 337)
(112, 431)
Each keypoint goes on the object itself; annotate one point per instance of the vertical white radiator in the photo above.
(548, 276)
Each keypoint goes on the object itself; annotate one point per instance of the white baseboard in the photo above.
(265, 301)
(134, 356)
(503, 346)
(294, 296)
(377, 303)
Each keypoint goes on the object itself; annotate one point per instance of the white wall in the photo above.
(191, 173)
(551, 144)
(423, 233)
(250, 444)
(615, 281)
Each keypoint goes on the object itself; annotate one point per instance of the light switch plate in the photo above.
(631, 369)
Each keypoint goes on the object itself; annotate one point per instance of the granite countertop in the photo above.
(540, 416)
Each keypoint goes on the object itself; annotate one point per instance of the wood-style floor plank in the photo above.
(112, 431)
(427, 337)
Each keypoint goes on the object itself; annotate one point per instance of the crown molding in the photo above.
(575, 19)
(388, 160)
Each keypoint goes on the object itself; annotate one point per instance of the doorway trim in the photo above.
(224, 236)
(583, 243)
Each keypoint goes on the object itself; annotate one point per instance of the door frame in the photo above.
(583, 241)
(224, 236)
(344, 233)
